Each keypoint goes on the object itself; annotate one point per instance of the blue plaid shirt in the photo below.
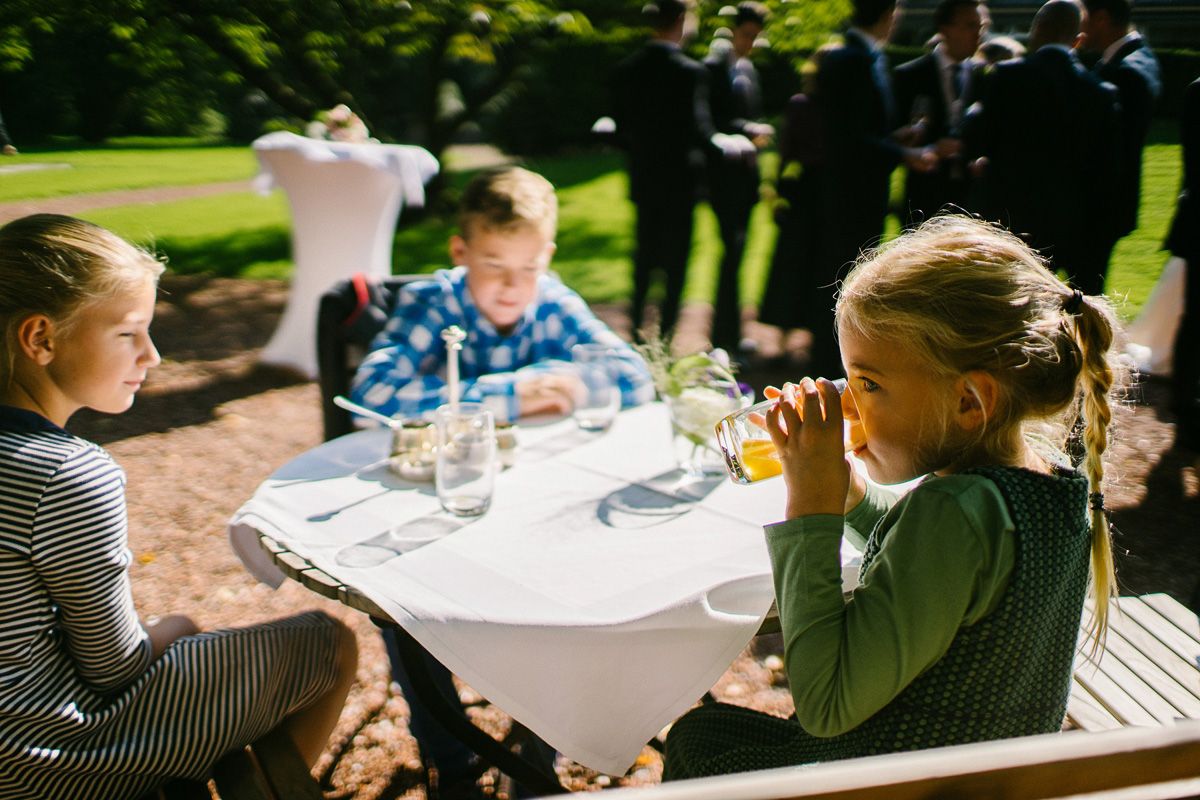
(405, 372)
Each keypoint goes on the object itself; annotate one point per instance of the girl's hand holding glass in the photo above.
(807, 429)
(855, 438)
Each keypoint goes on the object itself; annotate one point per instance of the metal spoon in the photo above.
(363, 411)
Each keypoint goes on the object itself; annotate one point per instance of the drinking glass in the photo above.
(466, 458)
(598, 403)
(749, 452)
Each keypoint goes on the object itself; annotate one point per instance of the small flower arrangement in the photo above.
(699, 389)
(339, 124)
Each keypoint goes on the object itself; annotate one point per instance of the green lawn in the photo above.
(123, 164)
(246, 234)
(240, 234)
(1138, 261)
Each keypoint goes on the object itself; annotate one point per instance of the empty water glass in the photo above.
(466, 458)
(600, 399)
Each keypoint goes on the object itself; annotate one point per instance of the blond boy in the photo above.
(521, 321)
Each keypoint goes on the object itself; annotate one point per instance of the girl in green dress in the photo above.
(971, 364)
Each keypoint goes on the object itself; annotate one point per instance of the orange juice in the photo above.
(750, 456)
(760, 460)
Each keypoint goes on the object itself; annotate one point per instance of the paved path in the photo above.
(78, 203)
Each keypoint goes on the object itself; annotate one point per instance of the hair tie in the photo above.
(1096, 501)
(1074, 303)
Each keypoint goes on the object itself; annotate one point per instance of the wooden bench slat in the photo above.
(1137, 685)
(1178, 614)
(1162, 629)
(1185, 674)
(1084, 712)
(1112, 696)
(1156, 674)
(1031, 768)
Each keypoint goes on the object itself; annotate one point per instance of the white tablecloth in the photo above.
(345, 199)
(1152, 334)
(596, 601)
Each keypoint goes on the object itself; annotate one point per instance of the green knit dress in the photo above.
(1007, 675)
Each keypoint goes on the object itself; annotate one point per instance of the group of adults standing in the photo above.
(690, 129)
(1040, 144)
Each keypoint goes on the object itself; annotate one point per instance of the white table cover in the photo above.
(596, 601)
(1152, 334)
(345, 199)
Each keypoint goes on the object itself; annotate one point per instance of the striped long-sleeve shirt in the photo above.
(84, 710)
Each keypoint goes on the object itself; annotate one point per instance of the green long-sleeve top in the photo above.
(944, 564)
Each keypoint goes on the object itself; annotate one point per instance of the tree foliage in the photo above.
(414, 70)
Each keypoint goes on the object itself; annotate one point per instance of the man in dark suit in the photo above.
(735, 100)
(1046, 129)
(1127, 63)
(1184, 242)
(932, 92)
(660, 106)
(856, 103)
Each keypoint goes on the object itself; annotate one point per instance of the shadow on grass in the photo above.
(1163, 130)
(567, 171)
(423, 248)
(226, 256)
(59, 144)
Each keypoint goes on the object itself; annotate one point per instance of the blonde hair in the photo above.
(507, 199)
(55, 265)
(964, 296)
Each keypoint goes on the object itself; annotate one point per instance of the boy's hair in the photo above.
(507, 199)
(55, 265)
(966, 295)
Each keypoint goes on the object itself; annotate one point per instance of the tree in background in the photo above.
(414, 71)
(417, 71)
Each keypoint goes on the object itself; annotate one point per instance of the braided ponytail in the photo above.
(965, 295)
(1093, 331)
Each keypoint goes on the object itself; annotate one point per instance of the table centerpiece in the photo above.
(699, 390)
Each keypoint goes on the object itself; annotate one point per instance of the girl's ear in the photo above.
(35, 339)
(976, 394)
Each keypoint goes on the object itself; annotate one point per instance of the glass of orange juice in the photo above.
(749, 452)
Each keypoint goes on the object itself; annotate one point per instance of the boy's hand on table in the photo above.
(551, 393)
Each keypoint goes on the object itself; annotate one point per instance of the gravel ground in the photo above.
(211, 424)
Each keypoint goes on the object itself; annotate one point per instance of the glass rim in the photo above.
(464, 408)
